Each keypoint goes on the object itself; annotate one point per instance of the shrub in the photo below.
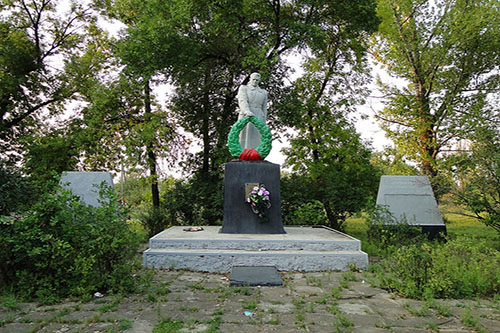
(309, 213)
(155, 220)
(61, 247)
(460, 268)
(388, 232)
(14, 189)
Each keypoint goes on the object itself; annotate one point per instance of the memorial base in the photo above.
(238, 215)
(303, 249)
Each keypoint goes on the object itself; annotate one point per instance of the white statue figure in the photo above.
(252, 101)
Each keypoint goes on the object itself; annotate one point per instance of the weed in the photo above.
(342, 323)
(153, 298)
(335, 292)
(7, 320)
(214, 323)
(424, 310)
(334, 309)
(313, 281)
(190, 323)
(125, 324)
(322, 300)
(430, 325)
(243, 291)
(108, 307)
(250, 305)
(168, 325)
(218, 312)
(468, 319)
(10, 302)
(274, 321)
(349, 276)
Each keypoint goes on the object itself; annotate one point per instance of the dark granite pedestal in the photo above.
(238, 216)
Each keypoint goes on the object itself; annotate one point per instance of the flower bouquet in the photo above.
(260, 202)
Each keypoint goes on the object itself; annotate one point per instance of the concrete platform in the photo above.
(303, 249)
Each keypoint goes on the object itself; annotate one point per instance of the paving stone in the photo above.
(492, 325)
(354, 308)
(277, 308)
(17, 327)
(307, 290)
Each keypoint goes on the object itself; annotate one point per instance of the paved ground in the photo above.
(312, 302)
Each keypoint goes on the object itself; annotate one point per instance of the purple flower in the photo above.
(267, 197)
(253, 204)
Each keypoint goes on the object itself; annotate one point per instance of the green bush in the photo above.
(14, 190)
(389, 233)
(155, 220)
(309, 213)
(461, 268)
(61, 247)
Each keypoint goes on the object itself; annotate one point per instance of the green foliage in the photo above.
(459, 268)
(342, 179)
(168, 325)
(479, 176)
(15, 189)
(434, 47)
(155, 220)
(195, 201)
(389, 233)
(38, 42)
(61, 247)
(309, 213)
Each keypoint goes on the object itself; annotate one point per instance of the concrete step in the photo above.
(221, 261)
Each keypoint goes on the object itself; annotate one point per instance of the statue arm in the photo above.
(243, 102)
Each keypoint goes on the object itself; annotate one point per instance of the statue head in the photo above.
(254, 79)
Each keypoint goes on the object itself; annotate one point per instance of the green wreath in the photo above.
(266, 138)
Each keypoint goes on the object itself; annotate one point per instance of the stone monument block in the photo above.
(238, 216)
(86, 185)
(411, 198)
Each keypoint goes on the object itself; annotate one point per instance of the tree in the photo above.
(34, 39)
(207, 49)
(479, 174)
(448, 54)
(325, 148)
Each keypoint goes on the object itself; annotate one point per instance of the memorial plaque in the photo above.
(411, 198)
(86, 185)
(249, 188)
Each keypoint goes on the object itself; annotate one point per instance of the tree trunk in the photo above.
(333, 219)
(205, 128)
(155, 193)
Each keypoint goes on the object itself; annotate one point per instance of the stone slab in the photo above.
(86, 185)
(238, 216)
(299, 249)
(295, 238)
(255, 276)
(410, 198)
